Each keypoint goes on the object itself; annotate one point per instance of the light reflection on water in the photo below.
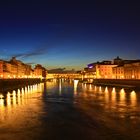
(133, 98)
(24, 106)
(111, 99)
(14, 103)
(75, 86)
(60, 86)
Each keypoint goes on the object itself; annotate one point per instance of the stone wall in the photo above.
(118, 82)
(9, 84)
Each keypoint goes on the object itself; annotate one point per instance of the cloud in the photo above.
(35, 52)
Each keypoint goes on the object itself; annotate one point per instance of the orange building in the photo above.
(130, 70)
(39, 71)
(17, 69)
(100, 70)
(118, 72)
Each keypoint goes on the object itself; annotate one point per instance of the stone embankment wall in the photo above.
(118, 82)
(9, 84)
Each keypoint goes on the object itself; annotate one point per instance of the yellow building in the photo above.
(118, 72)
(14, 70)
(20, 69)
(116, 69)
(5, 69)
(1, 68)
(132, 70)
(105, 71)
(39, 71)
(100, 70)
(17, 69)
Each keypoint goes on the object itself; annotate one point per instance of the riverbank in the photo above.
(122, 83)
(10, 84)
(127, 83)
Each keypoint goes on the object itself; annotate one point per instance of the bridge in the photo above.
(63, 75)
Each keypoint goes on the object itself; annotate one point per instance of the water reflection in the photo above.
(90, 87)
(113, 96)
(25, 90)
(26, 106)
(85, 85)
(95, 88)
(106, 96)
(75, 86)
(133, 98)
(16, 101)
(122, 96)
(8, 99)
(106, 89)
(113, 90)
(14, 98)
(1, 96)
(60, 86)
(100, 89)
(1, 109)
(113, 99)
(1, 102)
(18, 97)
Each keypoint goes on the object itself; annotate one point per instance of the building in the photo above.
(1, 68)
(118, 72)
(130, 69)
(116, 69)
(100, 70)
(118, 61)
(20, 69)
(40, 71)
(17, 69)
(5, 69)
(105, 71)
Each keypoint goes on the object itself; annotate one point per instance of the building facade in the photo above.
(116, 69)
(40, 71)
(118, 72)
(17, 69)
(132, 70)
(100, 70)
(129, 70)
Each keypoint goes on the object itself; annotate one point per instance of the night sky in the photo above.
(69, 34)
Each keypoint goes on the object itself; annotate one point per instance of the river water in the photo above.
(68, 110)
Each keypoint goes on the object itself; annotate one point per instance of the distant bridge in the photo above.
(63, 75)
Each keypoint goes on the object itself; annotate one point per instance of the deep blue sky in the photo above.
(67, 33)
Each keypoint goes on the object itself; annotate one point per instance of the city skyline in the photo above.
(67, 34)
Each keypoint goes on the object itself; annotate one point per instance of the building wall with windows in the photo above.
(127, 71)
(132, 71)
(104, 71)
(17, 69)
(39, 71)
(100, 70)
(118, 72)
(117, 69)
(1, 68)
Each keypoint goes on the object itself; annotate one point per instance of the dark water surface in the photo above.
(67, 110)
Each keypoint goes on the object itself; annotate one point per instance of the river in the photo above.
(68, 110)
